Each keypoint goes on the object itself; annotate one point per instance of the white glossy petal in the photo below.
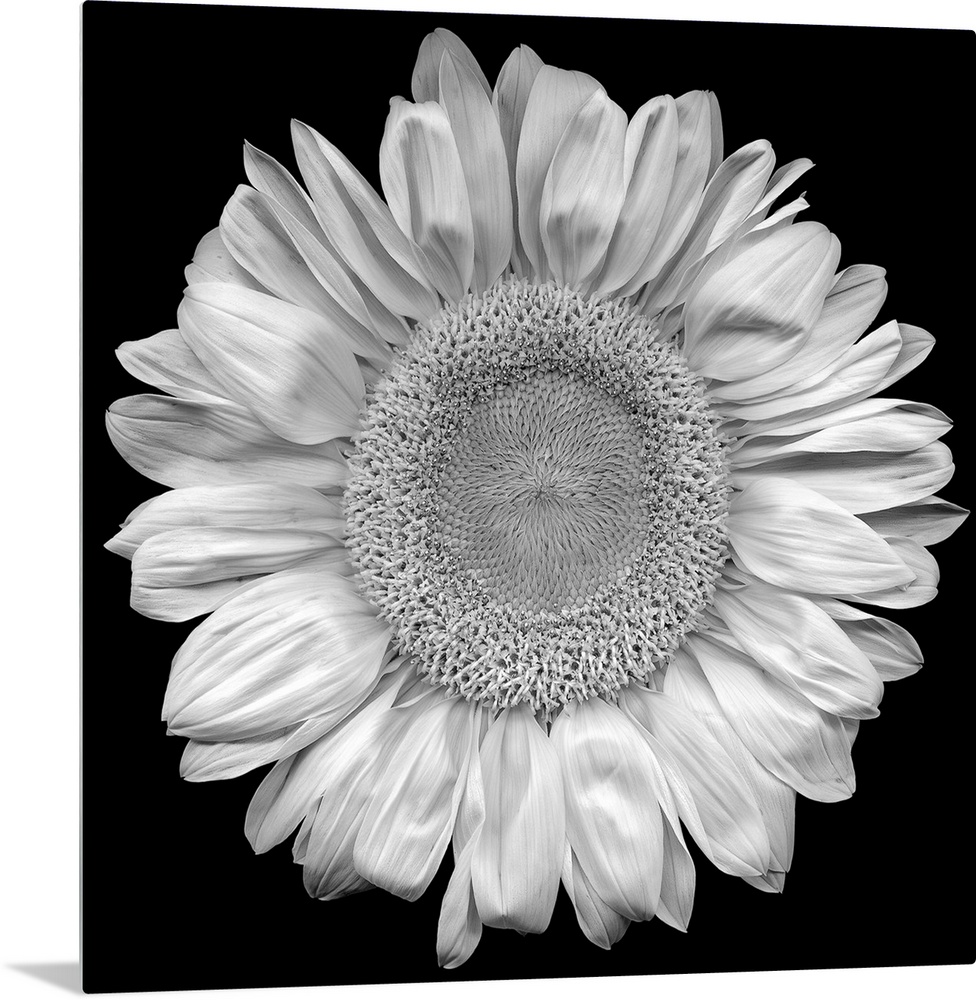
(516, 864)
(166, 362)
(728, 200)
(221, 761)
(650, 154)
(179, 574)
(874, 425)
(688, 180)
(297, 782)
(249, 505)
(860, 481)
(288, 365)
(677, 883)
(802, 647)
(802, 745)
(601, 924)
(290, 648)
(849, 309)
(184, 442)
(684, 682)
(423, 181)
(408, 824)
(268, 241)
(855, 375)
(212, 261)
(584, 190)
(891, 649)
(734, 836)
(459, 925)
(758, 310)
(793, 537)
(613, 819)
(509, 99)
(424, 84)
(921, 590)
(926, 521)
(485, 166)
(911, 422)
(296, 213)
(555, 97)
(360, 225)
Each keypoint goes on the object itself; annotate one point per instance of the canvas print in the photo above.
(518, 480)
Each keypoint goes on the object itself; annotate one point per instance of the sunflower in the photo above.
(530, 506)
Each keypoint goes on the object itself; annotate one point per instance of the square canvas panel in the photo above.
(174, 897)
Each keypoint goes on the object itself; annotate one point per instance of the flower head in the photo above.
(529, 504)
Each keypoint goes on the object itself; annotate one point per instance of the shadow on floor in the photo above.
(67, 975)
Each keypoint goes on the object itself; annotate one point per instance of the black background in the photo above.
(173, 896)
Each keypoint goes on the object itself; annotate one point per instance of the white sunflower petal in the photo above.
(186, 442)
(776, 799)
(691, 170)
(916, 344)
(179, 574)
(221, 761)
(290, 789)
(212, 261)
(179, 604)
(771, 881)
(483, 161)
(731, 829)
(583, 190)
(516, 864)
(921, 590)
(728, 200)
(254, 229)
(875, 425)
(717, 133)
(249, 505)
(291, 368)
(860, 481)
(408, 824)
(555, 98)
(852, 377)
(509, 99)
(286, 650)
(802, 745)
(926, 521)
(613, 819)
(166, 362)
(793, 537)
(295, 211)
(913, 416)
(892, 650)
(849, 309)
(798, 644)
(650, 153)
(426, 71)
(362, 228)
(260, 244)
(423, 180)
(758, 310)
(677, 882)
(600, 923)
(459, 925)
(324, 845)
(783, 177)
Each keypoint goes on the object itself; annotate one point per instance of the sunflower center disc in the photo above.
(538, 497)
(542, 499)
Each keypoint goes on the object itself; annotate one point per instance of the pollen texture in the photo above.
(538, 497)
